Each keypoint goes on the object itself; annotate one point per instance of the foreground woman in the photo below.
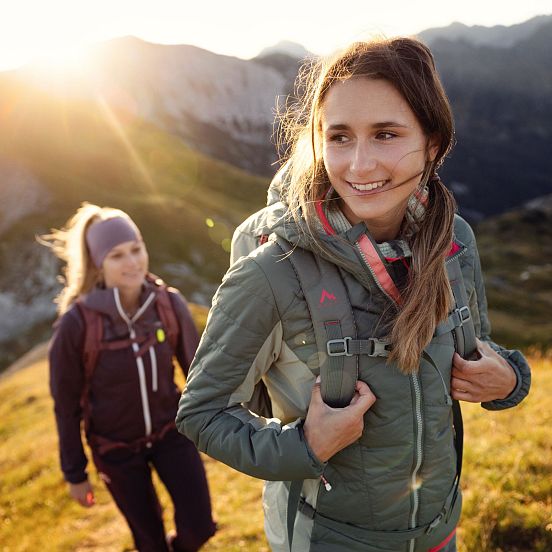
(355, 315)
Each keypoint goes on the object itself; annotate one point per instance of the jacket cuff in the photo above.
(75, 478)
(523, 374)
(316, 462)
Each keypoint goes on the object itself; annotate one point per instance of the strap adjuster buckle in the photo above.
(379, 347)
(339, 347)
(464, 314)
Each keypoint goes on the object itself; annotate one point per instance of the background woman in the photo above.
(367, 228)
(111, 366)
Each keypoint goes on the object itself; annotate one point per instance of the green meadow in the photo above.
(506, 479)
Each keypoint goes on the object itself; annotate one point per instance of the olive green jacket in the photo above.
(392, 484)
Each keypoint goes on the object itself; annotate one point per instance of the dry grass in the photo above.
(507, 480)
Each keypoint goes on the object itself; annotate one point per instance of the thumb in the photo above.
(316, 394)
(363, 399)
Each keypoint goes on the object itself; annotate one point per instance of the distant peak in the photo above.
(287, 47)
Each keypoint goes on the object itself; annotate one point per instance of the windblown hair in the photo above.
(79, 275)
(408, 65)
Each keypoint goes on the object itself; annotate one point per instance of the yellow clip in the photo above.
(160, 333)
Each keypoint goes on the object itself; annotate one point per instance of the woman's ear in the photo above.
(432, 148)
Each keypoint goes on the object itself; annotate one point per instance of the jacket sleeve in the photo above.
(242, 338)
(188, 338)
(66, 384)
(515, 358)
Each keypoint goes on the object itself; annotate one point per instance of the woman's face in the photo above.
(374, 151)
(126, 266)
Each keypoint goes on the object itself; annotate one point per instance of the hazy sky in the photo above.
(58, 28)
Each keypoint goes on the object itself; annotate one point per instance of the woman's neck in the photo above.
(130, 300)
(384, 232)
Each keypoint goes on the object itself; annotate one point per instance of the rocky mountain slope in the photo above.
(499, 80)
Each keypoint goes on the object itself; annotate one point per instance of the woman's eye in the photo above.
(384, 136)
(339, 138)
(115, 256)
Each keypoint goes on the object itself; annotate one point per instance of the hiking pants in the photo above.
(129, 480)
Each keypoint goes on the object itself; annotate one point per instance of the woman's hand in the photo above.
(329, 430)
(486, 379)
(83, 493)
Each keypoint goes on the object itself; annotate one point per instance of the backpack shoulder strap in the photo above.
(93, 333)
(333, 322)
(166, 313)
(460, 319)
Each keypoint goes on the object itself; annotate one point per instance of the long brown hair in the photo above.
(79, 275)
(409, 66)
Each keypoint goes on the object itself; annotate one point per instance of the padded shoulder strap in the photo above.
(332, 319)
(165, 311)
(93, 333)
(464, 330)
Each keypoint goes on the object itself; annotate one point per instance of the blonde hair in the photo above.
(79, 275)
(408, 65)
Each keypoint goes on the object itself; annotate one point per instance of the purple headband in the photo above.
(104, 235)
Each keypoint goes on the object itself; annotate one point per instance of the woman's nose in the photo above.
(363, 159)
(131, 260)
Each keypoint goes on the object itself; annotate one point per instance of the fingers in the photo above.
(462, 395)
(82, 493)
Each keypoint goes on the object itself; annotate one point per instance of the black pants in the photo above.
(129, 480)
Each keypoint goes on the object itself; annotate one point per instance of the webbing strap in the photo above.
(459, 443)
(332, 318)
(294, 498)
(457, 318)
(464, 333)
(372, 347)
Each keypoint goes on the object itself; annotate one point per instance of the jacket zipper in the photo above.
(418, 455)
(139, 362)
(153, 358)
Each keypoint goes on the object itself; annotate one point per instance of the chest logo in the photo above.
(326, 295)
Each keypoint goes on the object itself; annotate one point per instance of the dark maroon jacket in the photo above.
(117, 409)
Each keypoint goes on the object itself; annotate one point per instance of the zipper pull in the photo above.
(327, 486)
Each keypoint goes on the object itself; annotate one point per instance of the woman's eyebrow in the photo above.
(383, 124)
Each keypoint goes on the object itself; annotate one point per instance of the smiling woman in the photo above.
(111, 367)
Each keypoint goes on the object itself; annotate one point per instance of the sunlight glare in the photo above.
(63, 59)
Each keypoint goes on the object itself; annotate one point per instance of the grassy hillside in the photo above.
(515, 250)
(506, 480)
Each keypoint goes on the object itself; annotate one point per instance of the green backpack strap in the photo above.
(335, 333)
(460, 321)
(333, 323)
